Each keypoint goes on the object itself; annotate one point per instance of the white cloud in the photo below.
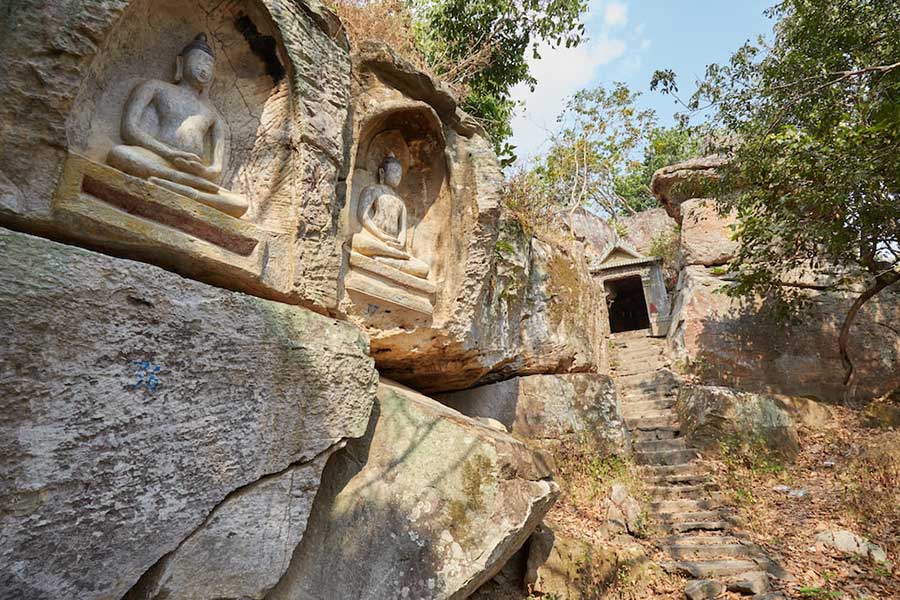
(560, 73)
(563, 71)
(615, 15)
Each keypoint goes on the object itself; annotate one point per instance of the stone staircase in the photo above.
(700, 535)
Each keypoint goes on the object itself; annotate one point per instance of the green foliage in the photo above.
(665, 245)
(813, 122)
(664, 146)
(817, 593)
(601, 132)
(485, 45)
(593, 160)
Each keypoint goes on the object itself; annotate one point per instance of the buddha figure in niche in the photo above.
(174, 136)
(382, 214)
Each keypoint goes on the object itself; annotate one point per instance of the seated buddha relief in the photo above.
(383, 217)
(175, 138)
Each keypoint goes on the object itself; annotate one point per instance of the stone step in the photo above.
(626, 337)
(644, 381)
(717, 547)
(661, 433)
(684, 470)
(641, 393)
(666, 457)
(686, 516)
(637, 366)
(667, 507)
(700, 539)
(622, 360)
(666, 413)
(646, 370)
(704, 569)
(669, 421)
(640, 406)
(702, 525)
(753, 583)
(658, 445)
(669, 492)
(689, 472)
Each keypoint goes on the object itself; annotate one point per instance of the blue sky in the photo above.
(628, 40)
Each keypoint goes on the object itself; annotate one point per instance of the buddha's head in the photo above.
(196, 63)
(390, 172)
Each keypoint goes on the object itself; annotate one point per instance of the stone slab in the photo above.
(135, 401)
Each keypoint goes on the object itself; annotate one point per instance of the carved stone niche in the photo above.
(203, 136)
(397, 218)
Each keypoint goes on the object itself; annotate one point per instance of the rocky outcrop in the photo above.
(429, 504)
(244, 546)
(560, 566)
(504, 302)
(739, 343)
(709, 415)
(706, 236)
(646, 228)
(847, 542)
(147, 415)
(696, 178)
(282, 85)
(549, 407)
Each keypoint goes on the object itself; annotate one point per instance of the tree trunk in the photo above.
(881, 281)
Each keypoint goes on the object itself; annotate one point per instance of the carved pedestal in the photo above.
(382, 288)
(94, 196)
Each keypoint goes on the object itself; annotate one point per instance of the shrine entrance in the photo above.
(627, 304)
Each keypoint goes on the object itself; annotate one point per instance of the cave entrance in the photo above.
(627, 305)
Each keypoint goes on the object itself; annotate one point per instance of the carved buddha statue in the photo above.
(174, 137)
(383, 217)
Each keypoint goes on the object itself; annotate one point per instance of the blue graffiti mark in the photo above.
(146, 375)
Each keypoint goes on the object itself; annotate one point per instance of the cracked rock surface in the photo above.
(429, 504)
(134, 402)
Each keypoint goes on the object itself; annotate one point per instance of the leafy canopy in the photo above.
(814, 131)
(603, 155)
(484, 45)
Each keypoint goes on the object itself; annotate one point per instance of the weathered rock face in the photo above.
(596, 233)
(710, 414)
(280, 95)
(548, 407)
(847, 542)
(729, 342)
(706, 236)
(430, 504)
(646, 227)
(143, 411)
(477, 299)
(244, 546)
(695, 178)
(563, 567)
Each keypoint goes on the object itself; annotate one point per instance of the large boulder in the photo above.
(549, 407)
(430, 504)
(647, 230)
(148, 415)
(712, 414)
(847, 542)
(695, 178)
(739, 343)
(706, 236)
(562, 566)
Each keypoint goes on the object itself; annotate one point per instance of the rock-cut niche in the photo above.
(181, 122)
(398, 210)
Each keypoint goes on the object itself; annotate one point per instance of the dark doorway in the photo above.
(627, 305)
